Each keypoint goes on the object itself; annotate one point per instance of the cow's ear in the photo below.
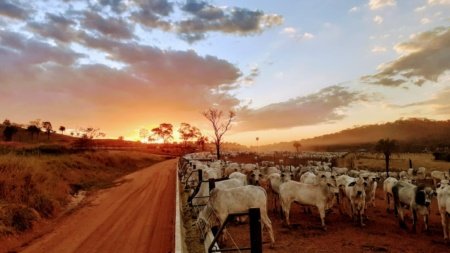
(352, 184)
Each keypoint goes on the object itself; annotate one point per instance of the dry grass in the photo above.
(33, 187)
(398, 162)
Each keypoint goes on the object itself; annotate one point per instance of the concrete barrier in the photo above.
(180, 245)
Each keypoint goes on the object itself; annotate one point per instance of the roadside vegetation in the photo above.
(36, 186)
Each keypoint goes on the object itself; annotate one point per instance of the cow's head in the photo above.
(254, 177)
(424, 195)
(359, 187)
(286, 176)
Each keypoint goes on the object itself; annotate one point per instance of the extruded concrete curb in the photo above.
(179, 237)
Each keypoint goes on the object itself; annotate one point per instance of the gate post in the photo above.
(255, 230)
(212, 184)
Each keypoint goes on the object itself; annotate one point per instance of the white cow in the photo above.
(443, 198)
(236, 200)
(240, 176)
(318, 195)
(437, 176)
(201, 196)
(275, 180)
(417, 198)
(387, 189)
(354, 191)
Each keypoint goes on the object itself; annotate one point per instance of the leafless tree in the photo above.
(143, 133)
(220, 125)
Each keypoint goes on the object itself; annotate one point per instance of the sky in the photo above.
(289, 69)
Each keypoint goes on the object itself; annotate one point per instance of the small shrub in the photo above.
(43, 205)
(18, 217)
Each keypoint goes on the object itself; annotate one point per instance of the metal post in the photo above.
(200, 175)
(212, 184)
(255, 230)
(197, 189)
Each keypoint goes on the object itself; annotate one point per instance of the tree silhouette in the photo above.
(91, 133)
(32, 130)
(143, 133)
(164, 131)
(188, 132)
(201, 141)
(220, 125)
(297, 146)
(386, 146)
(47, 128)
(62, 129)
(6, 122)
(9, 131)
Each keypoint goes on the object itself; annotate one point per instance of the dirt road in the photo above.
(136, 216)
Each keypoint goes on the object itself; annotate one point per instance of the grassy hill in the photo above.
(413, 135)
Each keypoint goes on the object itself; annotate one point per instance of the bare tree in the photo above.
(143, 133)
(92, 133)
(47, 128)
(220, 125)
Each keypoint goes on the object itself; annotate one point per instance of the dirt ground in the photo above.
(136, 216)
(401, 161)
(381, 233)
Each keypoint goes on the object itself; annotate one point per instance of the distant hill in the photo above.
(413, 134)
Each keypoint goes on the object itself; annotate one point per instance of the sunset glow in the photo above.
(289, 69)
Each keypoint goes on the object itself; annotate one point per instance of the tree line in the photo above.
(36, 127)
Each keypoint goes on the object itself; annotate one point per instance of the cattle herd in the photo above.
(317, 184)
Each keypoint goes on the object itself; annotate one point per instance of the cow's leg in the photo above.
(266, 222)
(361, 217)
(444, 222)
(414, 212)
(401, 218)
(425, 221)
(286, 206)
(388, 203)
(321, 210)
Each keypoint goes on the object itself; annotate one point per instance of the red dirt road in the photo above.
(136, 216)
